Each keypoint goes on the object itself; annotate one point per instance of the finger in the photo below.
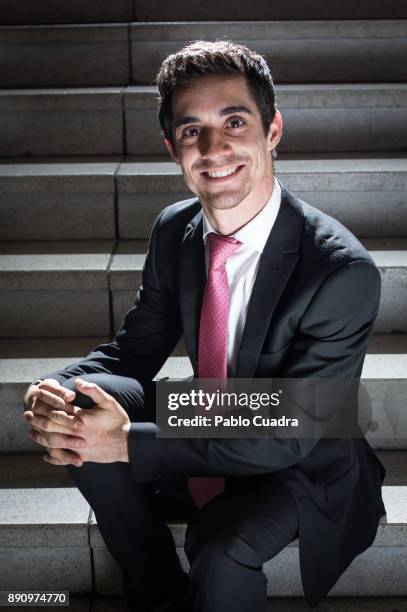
(56, 440)
(51, 400)
(43, 423)
(54, 386)
(50, 419)
(31, 398)
(42, 408)
(59, 456)
(100, 397)
(74, 419)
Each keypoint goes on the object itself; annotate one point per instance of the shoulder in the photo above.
(333, 266)
(339, 273)
(323, 238)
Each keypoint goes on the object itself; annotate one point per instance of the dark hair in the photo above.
(202, 58)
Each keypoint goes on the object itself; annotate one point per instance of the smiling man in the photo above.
(223, 148)
(260, 285)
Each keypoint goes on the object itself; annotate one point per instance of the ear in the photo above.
(275, 131)
(171, 151)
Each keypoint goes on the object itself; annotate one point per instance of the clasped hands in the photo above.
(73, 435)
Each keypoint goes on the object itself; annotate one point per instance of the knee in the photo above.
(224, 543)
(226, 562)
(124, 390)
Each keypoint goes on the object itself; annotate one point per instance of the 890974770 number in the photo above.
(34, 598)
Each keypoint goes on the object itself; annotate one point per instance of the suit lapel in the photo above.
(276, 265)
(192, 276)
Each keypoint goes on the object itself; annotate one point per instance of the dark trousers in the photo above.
(227, 540)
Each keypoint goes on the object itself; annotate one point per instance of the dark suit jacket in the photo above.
(313, 305)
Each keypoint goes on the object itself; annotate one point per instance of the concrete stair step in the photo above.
(382, 409)
(331, 51)
(81, 197)
(65, 56)
(380, 344)
(126, 267)
(54, 122)
(21, 12)
(19, 471)
(390, 257)
(43, 286)
(47, 536)
(189, 10)
(44, 540)
(90, 121)
(98, 54)
(76, 197)
(368, 194)
(352, 111)
(384, 245)
(49, 281)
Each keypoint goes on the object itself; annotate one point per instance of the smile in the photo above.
(222, 174)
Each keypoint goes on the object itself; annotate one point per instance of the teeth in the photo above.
(222, 173)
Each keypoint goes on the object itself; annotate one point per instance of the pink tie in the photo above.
(213, 340)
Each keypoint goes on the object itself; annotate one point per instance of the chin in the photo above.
(223, 201)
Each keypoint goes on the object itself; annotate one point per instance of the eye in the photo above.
(236, 122)
(190, 132)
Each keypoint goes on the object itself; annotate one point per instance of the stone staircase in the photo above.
(83, 173)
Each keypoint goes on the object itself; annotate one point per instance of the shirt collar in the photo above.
(255, 233)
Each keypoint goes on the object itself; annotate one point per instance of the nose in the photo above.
(213, 143)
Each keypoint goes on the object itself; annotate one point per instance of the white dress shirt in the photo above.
(241, 268)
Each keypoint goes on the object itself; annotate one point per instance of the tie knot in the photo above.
(220, 248)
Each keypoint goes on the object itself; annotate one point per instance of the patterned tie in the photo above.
(213, 340)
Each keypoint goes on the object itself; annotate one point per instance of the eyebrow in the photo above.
(228, 110)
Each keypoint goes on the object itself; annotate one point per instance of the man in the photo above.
(260, 285)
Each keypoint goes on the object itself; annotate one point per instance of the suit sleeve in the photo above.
(331, 343)
(147, 336)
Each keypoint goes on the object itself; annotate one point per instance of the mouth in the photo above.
(221, 176)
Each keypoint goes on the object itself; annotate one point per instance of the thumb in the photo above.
(100, 397)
